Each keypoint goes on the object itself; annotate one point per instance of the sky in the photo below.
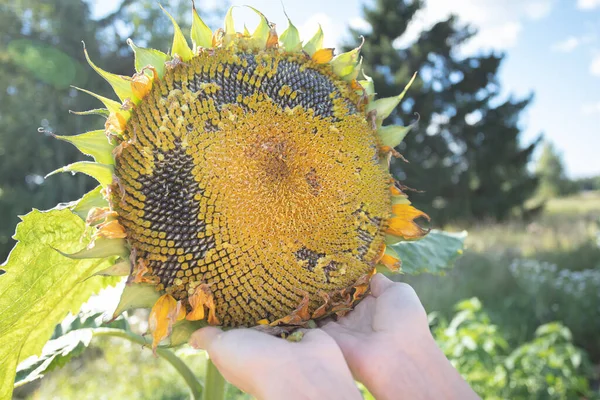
(552, 50)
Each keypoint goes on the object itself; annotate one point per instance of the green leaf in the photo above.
(56, 354)
(434, 253)
(40, 286)
(94, 144)
(71, 337)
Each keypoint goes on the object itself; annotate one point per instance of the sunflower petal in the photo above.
(315, 43)
(120, 84)
(202, 297)
(94, 144)
(391, 259)
(136, 296)
(322, 56)
(290, 38)
(180, 45)
(385, 106)
(403, 223)
(164, 314)
(103, 173)
(201, 34)
(110, 230)
(152, 57)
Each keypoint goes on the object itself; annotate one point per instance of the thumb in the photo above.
(204, 337)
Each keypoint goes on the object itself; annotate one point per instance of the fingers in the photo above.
(203, 338)
(379, 284)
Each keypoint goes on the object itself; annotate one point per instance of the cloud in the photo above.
(595, 66)
(332, 31)
(591, 108)
(360, 24)
(588, 4)
(499, 23)
(567, 45)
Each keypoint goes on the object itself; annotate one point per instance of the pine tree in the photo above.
(464, 155)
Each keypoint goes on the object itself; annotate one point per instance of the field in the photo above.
(524, 275)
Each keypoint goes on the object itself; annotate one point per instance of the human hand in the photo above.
(389, 348)
(268, 367)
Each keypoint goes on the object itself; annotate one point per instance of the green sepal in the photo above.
(111, 105)
(344, 64)
(182, 331)
(385, 106)
(152, 57)
(103, 173)
(393, 135)
(120, 84)
(368, 85)
(315, 43)
(400, 199)
(90, 200)
(136, 295)
(100, 248)
(94, 144)
(260, 36)
(290, 38)
(230, 33)
(180, 45)
(121, 268)
(200, 33)
(96, 111)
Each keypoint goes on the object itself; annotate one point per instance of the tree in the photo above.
(464, 154)
(43, 56)
(551, 174)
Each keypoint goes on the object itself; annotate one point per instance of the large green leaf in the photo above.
(434, 253)
(40, 286)
(70, 339)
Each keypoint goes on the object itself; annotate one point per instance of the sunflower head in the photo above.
(245, 180)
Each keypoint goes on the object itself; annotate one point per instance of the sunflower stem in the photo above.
(214, 383)
(186, 373)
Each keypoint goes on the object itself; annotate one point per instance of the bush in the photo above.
(547, 367)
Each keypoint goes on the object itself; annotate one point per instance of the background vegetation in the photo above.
(519, 313)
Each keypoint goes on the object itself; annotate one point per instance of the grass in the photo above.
(566, 234)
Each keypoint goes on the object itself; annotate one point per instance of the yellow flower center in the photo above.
(257, 175)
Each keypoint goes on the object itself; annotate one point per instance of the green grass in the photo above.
(566, 234)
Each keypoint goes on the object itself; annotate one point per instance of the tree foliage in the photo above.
(465, 153)
(43, 58)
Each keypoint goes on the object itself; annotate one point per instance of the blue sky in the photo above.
(552, 49)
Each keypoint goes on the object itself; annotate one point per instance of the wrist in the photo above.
(414, 367)
(301, 380)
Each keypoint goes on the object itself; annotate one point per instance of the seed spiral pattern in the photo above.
(256, 174)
